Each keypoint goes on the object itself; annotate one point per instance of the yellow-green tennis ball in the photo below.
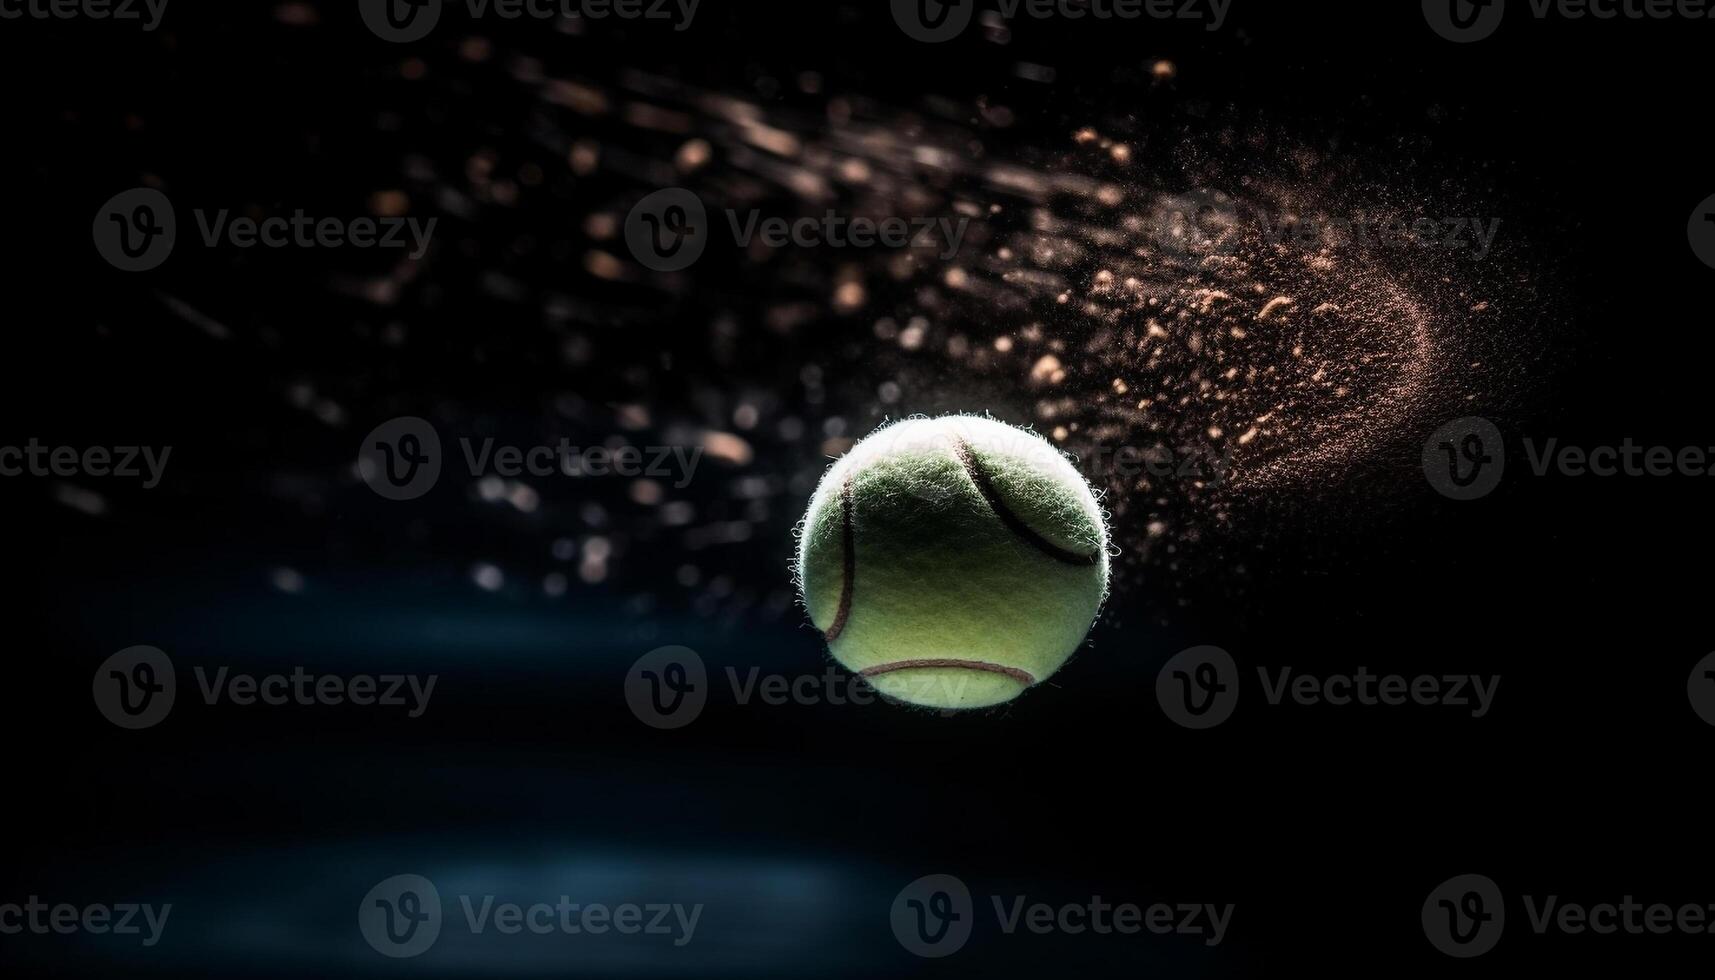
(953, 562)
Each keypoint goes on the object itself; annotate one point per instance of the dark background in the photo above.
(797, 825)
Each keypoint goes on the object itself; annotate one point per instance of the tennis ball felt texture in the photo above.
(953, 562)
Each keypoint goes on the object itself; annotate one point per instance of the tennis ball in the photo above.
(953, 562)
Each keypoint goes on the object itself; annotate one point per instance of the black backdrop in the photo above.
(798, 825)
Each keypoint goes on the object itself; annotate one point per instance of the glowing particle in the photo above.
(1272, 305)
(911, 338)
(1047, 370)
(849, 296)
(692, 155)
(487, 577)
(727, 448)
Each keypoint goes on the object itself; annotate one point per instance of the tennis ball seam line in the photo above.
(1017, 674)
(848, 561)
(1013, 522)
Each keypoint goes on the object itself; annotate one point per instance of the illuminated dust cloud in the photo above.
(1208, 322)
(1215, 313)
